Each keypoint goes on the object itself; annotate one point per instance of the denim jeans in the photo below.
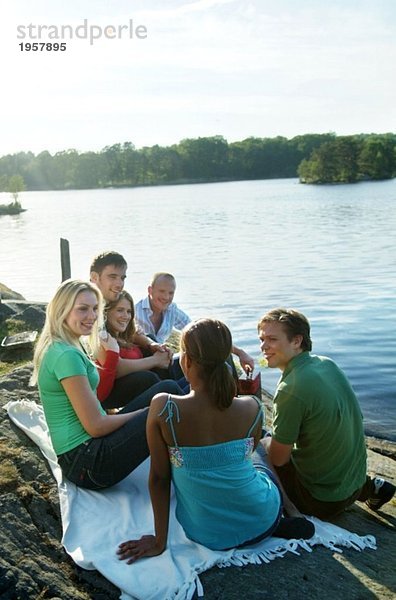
(104, 461)
(129, 387)
(143, 400)
(174, 371)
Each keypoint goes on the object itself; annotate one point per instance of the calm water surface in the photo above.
(238, 249)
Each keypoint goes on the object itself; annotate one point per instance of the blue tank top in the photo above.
(222, 500)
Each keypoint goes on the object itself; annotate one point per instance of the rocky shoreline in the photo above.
(33, 564)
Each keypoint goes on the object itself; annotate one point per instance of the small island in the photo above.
(14, 185)
(13, 208)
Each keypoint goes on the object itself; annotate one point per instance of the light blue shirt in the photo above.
(173, 318)
(222, 500)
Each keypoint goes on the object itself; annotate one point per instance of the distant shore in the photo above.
(314, 158)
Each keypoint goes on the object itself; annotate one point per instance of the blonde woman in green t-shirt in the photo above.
(95, 450)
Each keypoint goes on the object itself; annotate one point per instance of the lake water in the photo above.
(238, 249)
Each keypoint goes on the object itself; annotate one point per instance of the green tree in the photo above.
(3, 183)
(332, 162)
(377, 159)
(88, 172)
(114, 173)
(65, 166)
(204, 158)
(15, 185)
(162, 165)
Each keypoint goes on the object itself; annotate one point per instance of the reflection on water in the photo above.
(238, 249)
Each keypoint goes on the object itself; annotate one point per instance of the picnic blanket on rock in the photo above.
(94, 523)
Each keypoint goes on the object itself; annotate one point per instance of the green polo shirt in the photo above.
(316, 410)
(61, 361)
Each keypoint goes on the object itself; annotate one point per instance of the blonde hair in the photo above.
(208, 343)
(55, 327)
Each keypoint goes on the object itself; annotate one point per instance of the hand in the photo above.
(109, 343)
(247, 362)
(106, 344)
(169, 351)
(156, 347)
(162, 359)
(135, 549)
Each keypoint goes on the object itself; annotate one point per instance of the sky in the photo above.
(193, 68)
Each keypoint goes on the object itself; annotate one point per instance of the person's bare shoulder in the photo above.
(246, 405)
(246, 400)
(159, 400)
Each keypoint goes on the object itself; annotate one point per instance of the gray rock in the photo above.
(7, 293)
(33, 316)
(6, 312)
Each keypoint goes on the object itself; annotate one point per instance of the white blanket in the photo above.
(94, 523)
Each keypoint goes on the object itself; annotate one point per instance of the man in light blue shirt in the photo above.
(158, 315)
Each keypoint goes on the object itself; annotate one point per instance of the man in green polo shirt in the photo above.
(317, 445)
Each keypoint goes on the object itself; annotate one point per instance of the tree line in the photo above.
(315, 158)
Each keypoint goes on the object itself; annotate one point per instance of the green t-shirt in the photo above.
(60, 361)
(316, 409)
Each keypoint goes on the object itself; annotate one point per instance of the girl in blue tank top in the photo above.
(203, 443)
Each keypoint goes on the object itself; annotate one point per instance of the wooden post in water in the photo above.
(65, 259)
